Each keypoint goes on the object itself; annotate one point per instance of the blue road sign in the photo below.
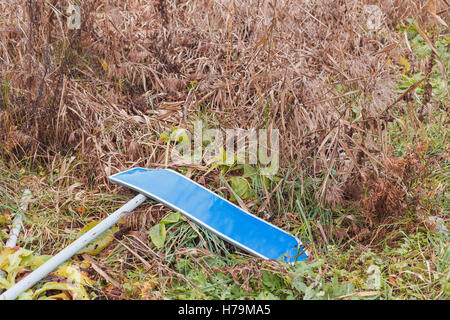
(213, 212)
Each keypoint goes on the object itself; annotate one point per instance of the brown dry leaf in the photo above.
(334, 194)
(433, 12)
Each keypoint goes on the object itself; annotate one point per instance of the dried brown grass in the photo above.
(105, 92)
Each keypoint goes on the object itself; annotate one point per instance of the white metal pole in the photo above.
(17, 222)
(31, 279)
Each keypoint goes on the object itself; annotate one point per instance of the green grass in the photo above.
(204, 267)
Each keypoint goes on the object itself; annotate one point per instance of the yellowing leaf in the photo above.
(73, 274)
(27, 295)
(164, 137)
(35, 261)
(158, 235)
(14, 261)
(405, 63)
(76, 291)
(171, 218)
(11, 262)
(104, 65)
(4, 218)
(4, 283)
(101, 242)
(6, 252)
(61, 296)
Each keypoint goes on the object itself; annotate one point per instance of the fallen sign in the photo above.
(197, 203)
(213, 212)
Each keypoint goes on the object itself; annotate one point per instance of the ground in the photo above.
(358, 91)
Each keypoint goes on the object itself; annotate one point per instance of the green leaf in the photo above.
(249, 171)
(171, 218)
(299, 284)
(101, 242)
(241, 187)
(158, 235)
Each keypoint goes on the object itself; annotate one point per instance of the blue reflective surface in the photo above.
(213, 212)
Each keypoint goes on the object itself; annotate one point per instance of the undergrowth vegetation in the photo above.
(357, 89)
